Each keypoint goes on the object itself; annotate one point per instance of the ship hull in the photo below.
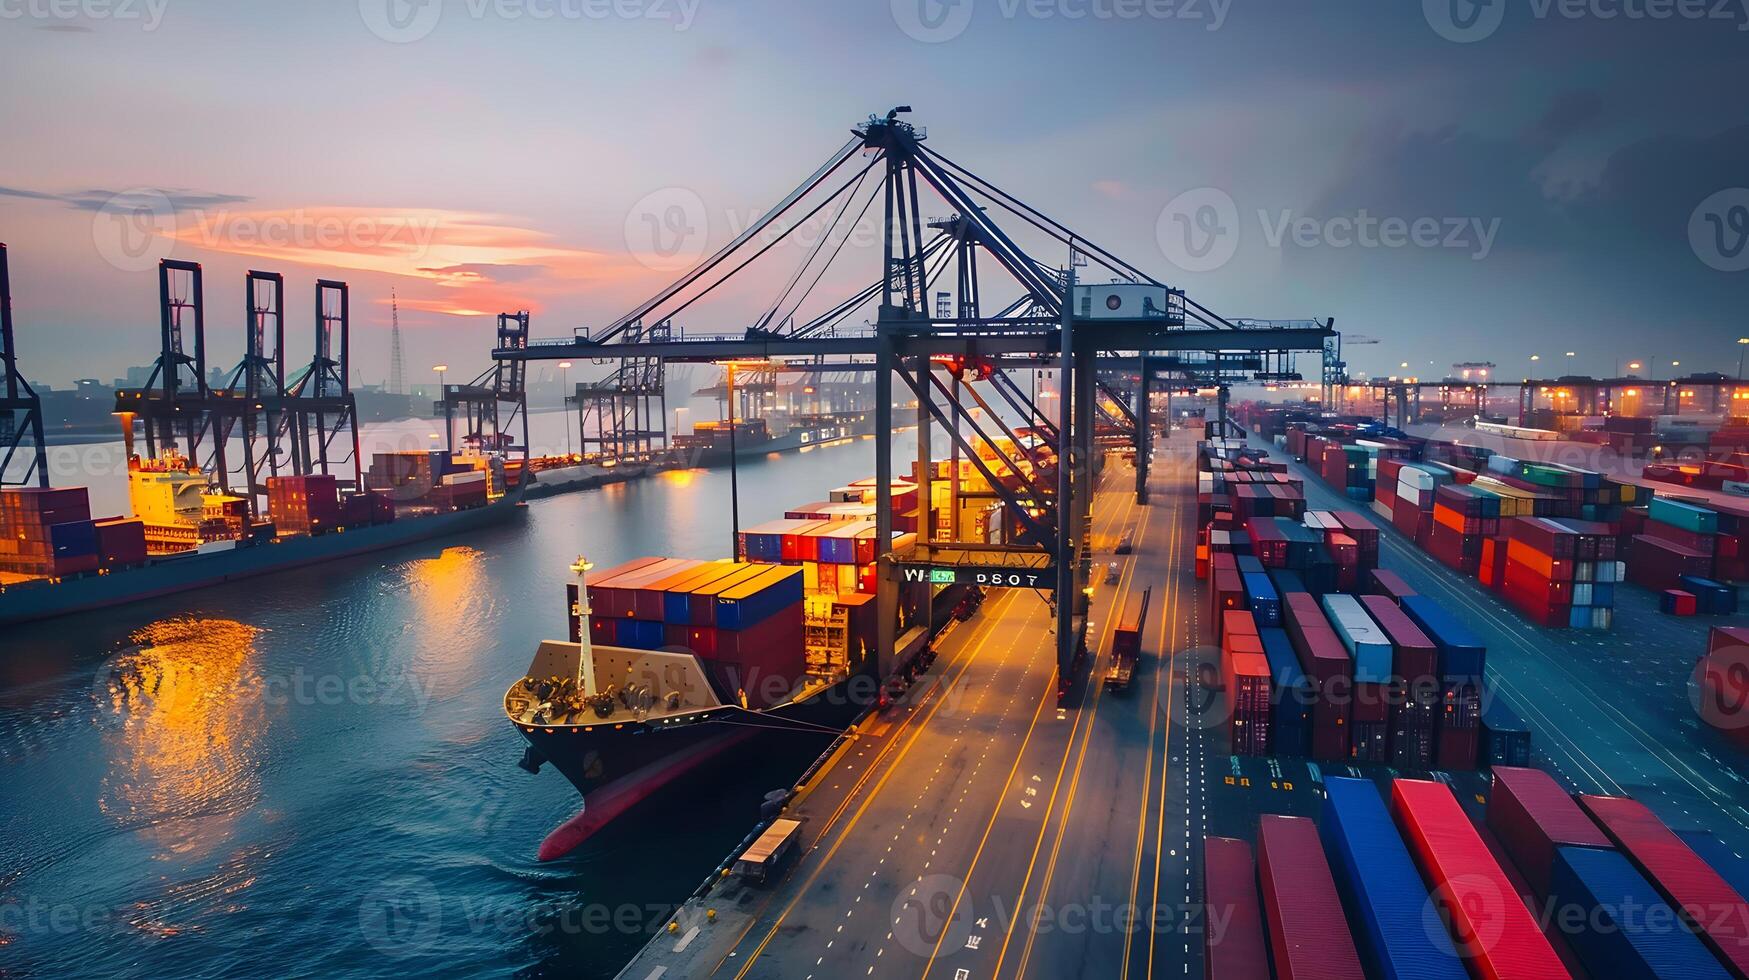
(799, 437)
(595, 756)
(166, 576)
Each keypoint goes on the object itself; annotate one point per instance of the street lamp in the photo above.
(1740, 342)
(564, 383)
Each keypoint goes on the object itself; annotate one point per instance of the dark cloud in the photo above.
(180, 199)
(487, 271)
(1572, 113)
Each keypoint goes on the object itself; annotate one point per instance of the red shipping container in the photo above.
(1238, 621)
(1490, 926)
(1414, 657)
(604, 631)
(1321, 653)
(1532, 815)
(1329, 732)
(1229, 880)
(1385, 582)
(1711, 906)
(1696, 541)
(1307, 930)
(121, 542)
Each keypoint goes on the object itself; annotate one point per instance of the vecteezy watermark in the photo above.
(935, 21)
(135, 228)
(1200, 231)
(668, 229)
(1718, 230)
(148, 14)
(1468, 21)
(401, 916)
(406, 21)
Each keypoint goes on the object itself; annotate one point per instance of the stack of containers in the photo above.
(1291, 696)
(1494, 930)
(1260, 595)
(47, 533)
(743, 621)
(1226, 587)
(308, 504)
(1676, 539)
(1711, 598)
(1328, 667)
(1308, 933)
(1370, 651)
(1247, 676)
(1236, 952)
(1417, 485)
(1531, 815)
(1461, 660)
(1706, 902)
(1505, 736)
(1418, 702)
(121, 542)
(1561, 573)
(1379, 884)
(1462, 517)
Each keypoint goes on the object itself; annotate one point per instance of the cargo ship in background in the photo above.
(55, 559)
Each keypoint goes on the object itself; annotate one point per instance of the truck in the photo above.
(1126, 643)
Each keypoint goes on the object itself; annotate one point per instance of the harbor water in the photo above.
(310, 774)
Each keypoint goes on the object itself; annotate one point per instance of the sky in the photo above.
(1455, 181)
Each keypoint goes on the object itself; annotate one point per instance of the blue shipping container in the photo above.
(1381, 888)
(1286, 581)
(74, 539)
(838, 551)
(639, 634)
(1711, 598)
(1262, 600)
(1461, 653)
(735, 611)
(1626, 930)
(1249, 564)
(1291, 696)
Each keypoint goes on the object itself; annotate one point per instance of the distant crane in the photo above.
(397, 369)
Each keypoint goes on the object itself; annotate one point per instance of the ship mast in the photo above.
(586, 650)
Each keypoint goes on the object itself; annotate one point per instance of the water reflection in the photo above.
(182, 716)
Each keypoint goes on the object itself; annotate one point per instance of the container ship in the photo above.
(55, 559)
(671, 662)
(709, 442)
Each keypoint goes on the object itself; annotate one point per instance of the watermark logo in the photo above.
(1199, 229)
(668, 229)
(1718, 230)
(932, 21)
(401, 916)
(1475, 909)
(65, 14)
(1464, 21)
(135, 228)
(1719, 691)
(401, 21)
(924, 913)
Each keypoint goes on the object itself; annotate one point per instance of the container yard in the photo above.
(1089, 523)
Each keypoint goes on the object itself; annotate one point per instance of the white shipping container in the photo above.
(1365, 640)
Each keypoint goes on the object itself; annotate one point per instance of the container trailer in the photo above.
(1618, 925)
(1308, 934)
(1126, 642)
(1490, 926)
(1381, 889)
(1236, 951)
(1531, 815)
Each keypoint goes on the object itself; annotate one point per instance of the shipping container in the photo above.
(1261, 599)
(1308, 933)
(1531, 815)
(1365, 641)
(1490, 926)
(1619, 926)
(1237, 951)
(1461, 653)
(1505, 736)
(746, 604)
(1385, 582)
(1700, 894)
(1291, 695)
(1414, 658)
(1380, 887)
